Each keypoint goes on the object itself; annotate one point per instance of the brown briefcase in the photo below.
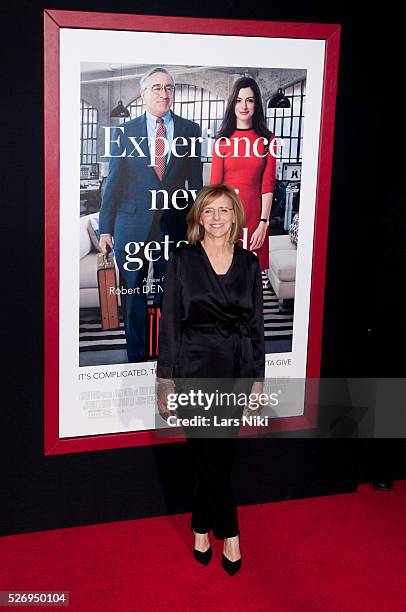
(106, 280)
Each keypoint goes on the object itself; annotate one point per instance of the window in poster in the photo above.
(106, 377)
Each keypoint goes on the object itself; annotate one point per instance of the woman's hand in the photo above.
(165, 386)
(258, 236)
(255, 407)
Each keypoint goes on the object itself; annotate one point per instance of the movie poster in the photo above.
(122, 187)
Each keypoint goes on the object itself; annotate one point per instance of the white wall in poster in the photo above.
(90, 398)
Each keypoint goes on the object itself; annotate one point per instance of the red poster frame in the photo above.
(54, 21)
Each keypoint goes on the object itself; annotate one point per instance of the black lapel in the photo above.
(144, 143)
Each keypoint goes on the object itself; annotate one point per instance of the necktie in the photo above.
(160, 158)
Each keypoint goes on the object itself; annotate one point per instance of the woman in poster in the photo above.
(243, 159)
(212, 328)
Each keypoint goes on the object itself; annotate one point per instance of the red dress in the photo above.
(252, 175)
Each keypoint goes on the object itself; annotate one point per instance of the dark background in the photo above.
(364, 327)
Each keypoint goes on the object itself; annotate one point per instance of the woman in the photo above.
(212, 328)
(247, 163)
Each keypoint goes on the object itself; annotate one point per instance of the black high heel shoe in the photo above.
(202, 557)
(231, 567)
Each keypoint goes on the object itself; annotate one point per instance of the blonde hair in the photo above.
(210, 193)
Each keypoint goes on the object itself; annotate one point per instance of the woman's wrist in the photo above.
(164, 381)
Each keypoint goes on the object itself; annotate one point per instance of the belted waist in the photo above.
(238, 330)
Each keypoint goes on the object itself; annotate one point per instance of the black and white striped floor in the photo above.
(278, 324)
(278, 321)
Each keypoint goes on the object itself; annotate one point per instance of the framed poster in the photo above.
(100, 376)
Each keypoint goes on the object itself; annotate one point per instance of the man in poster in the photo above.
(155, 172)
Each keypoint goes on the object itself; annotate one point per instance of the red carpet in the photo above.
(339, 553)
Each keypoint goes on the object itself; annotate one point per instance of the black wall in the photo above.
(367, 230)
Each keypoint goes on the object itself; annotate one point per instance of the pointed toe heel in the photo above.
(231, 567)
(203, 557)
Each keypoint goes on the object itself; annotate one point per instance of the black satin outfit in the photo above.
(212, 328)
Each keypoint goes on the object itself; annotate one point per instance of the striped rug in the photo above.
(278, 321)
(278, 324)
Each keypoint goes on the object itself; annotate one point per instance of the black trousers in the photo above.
(214, 506)
(213, 451)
